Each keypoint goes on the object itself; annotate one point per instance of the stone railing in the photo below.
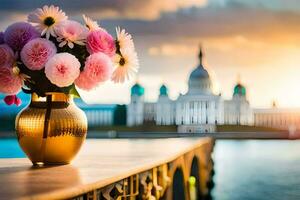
(109, 169)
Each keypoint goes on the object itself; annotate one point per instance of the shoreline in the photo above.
(215, 135)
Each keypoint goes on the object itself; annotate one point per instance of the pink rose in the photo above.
(37, 52)
(6, 56)
(98, 68)
(101, 41)
(62, 69)
(10, 83)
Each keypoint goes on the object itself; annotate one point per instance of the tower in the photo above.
(199, 80)
(135, 110)
(199, 110)
(165, 112)
(238, 110)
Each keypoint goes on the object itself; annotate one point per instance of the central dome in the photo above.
(199, 73)
(199, 81)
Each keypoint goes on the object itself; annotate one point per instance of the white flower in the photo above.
(90, 24)
(127, 65)
(124, 40)
(70, 32)
(126, 60)
(46, 19)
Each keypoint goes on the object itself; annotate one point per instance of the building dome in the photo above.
(137, 89)
(163, 90)
(199, 73)
(199, 80)
(240, 90)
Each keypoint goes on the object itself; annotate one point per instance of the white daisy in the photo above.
(127, 65)
(46, 19)
(124, 40)
(90, 24)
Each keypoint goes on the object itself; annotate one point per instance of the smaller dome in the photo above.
(163, 90)
(239, 90)
(137, 89)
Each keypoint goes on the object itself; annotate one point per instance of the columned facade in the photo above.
(280, 118)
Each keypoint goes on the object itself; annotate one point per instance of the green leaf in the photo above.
(74, 92)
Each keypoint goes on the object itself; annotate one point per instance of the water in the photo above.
(245, 170)
(257, 170)
(9, 148)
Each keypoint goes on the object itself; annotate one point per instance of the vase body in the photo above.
(51, 129)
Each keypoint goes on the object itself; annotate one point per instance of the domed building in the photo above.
(200, 110)
(237, 110)
(197, 111)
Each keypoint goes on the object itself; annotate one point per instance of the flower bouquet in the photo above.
(49, 57)
(50, 53)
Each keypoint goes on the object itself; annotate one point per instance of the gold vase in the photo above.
(51, 129)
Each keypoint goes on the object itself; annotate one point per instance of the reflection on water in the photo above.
(245, 170)
(254, 170)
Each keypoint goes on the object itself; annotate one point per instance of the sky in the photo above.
(256, 40)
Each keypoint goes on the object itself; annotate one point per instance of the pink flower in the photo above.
(18, 101)
(101, 41)
(10, 83)
(98, 68)
(70, 32)
(62, 69)
(6, 56)
(37, 52)
(18, 34)
(12, 99)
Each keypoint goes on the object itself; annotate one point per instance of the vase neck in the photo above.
(54, 96)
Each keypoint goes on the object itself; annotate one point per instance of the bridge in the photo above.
(172, 168)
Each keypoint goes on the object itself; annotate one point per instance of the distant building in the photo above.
(280, 118)
(199, 110)
(98, 114)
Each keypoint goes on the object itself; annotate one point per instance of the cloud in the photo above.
(137, 9)
(258, 39)
(172, 49)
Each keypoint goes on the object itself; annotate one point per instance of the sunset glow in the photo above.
(258, 40)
